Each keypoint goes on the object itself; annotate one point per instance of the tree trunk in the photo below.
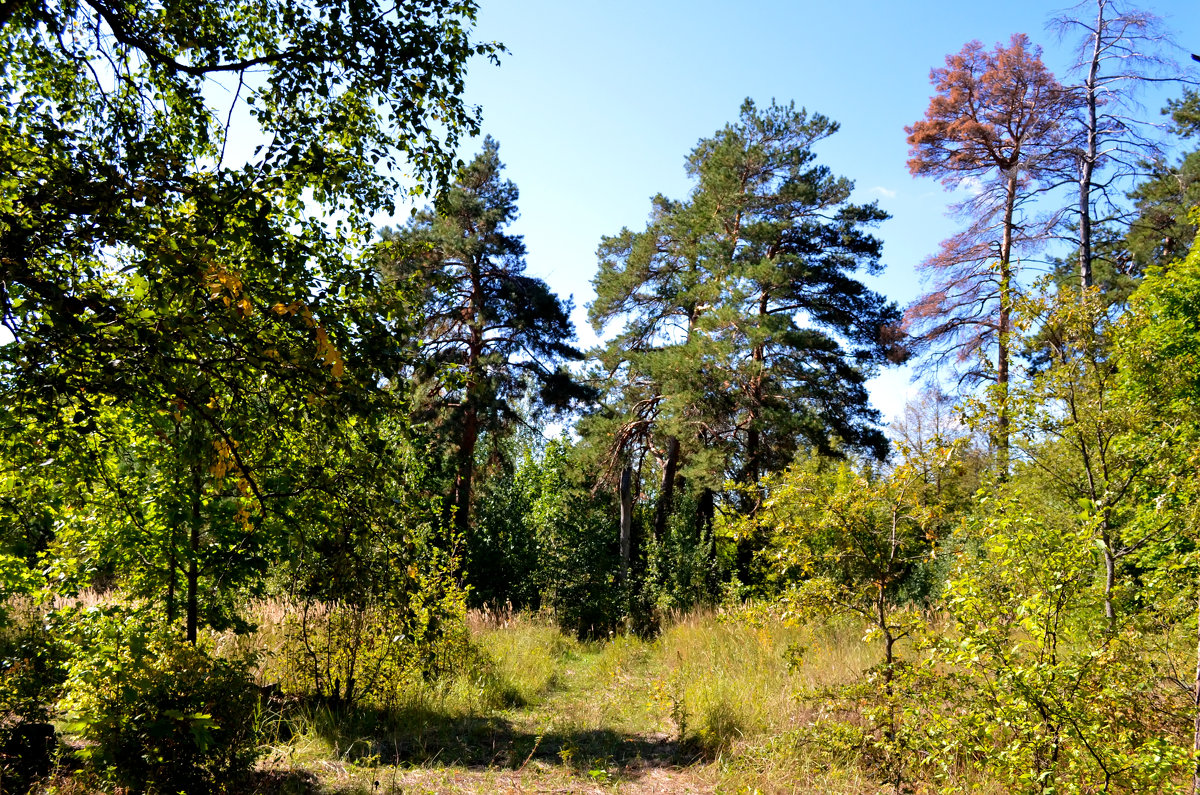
(666, 496)
(753, 467)
(1110, 577)
(1004, 327)
(176, 514)
(1196, 709)
(171, 566)
(464, 479)
(193, 572)
(626, 520)
(1087, 164)
(706, 509)
(465, 476)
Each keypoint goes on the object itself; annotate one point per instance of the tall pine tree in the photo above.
(490, 339)
(745, 332)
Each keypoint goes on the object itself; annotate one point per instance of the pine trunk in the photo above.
(666, 497)
(1004, 327)
(626, 520)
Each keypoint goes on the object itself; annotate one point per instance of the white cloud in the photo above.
(972, 185)
(884, 192)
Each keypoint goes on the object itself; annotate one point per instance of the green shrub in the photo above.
(370, 649)
(155, 713)
(31, 674)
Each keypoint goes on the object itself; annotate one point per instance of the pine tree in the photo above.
(490, 338)
(996, 123)
(745, 333)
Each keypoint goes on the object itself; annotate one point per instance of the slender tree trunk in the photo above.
(751, 471)
(626, 520)
(1196, 709)
(466, 469)
(177, 511)
(1087, 164)
(172, 564)
(753, 468)
(193, 572)
(470, 429)
(1110, 576)
(1004, 327)
(666, 496)
(706, 508)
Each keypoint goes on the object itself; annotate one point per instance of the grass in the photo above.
(709, 706)
(719, 702)
(714, 704)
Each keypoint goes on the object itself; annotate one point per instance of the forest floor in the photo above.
(707, 707)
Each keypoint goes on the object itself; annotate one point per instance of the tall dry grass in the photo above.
(728, 682)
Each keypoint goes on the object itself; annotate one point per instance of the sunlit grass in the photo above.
(715, 703)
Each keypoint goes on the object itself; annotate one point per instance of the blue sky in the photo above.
(597, 104)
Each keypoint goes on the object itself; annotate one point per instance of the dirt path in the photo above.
(597, 729)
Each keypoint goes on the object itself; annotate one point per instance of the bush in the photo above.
(155, 713)
(31, 673)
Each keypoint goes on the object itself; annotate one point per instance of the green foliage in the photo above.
(31, 665)
(157, 714)
(1160, 367)
(543, 540)
(370, 575)
(683, 570)
(847, 538)
(1047, 699)
(32, 660)
(503, 556)
(577, 540)
(177, 319)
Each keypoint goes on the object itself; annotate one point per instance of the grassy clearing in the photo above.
(709, 706)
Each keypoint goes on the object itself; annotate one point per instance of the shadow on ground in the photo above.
(431, 739)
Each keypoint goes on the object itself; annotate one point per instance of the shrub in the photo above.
(370, 648)
(155, 713)
(31, 673)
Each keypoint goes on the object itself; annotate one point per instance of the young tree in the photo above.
(845, 541)
(1068, 426)
(490, 337)
(995, 125)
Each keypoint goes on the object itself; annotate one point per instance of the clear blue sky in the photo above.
(597, 103)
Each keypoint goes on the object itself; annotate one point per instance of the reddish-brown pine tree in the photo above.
(996, 125)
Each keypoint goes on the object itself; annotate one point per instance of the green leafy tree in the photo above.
(1159, 365)
(158, 293)
(1068, 425)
